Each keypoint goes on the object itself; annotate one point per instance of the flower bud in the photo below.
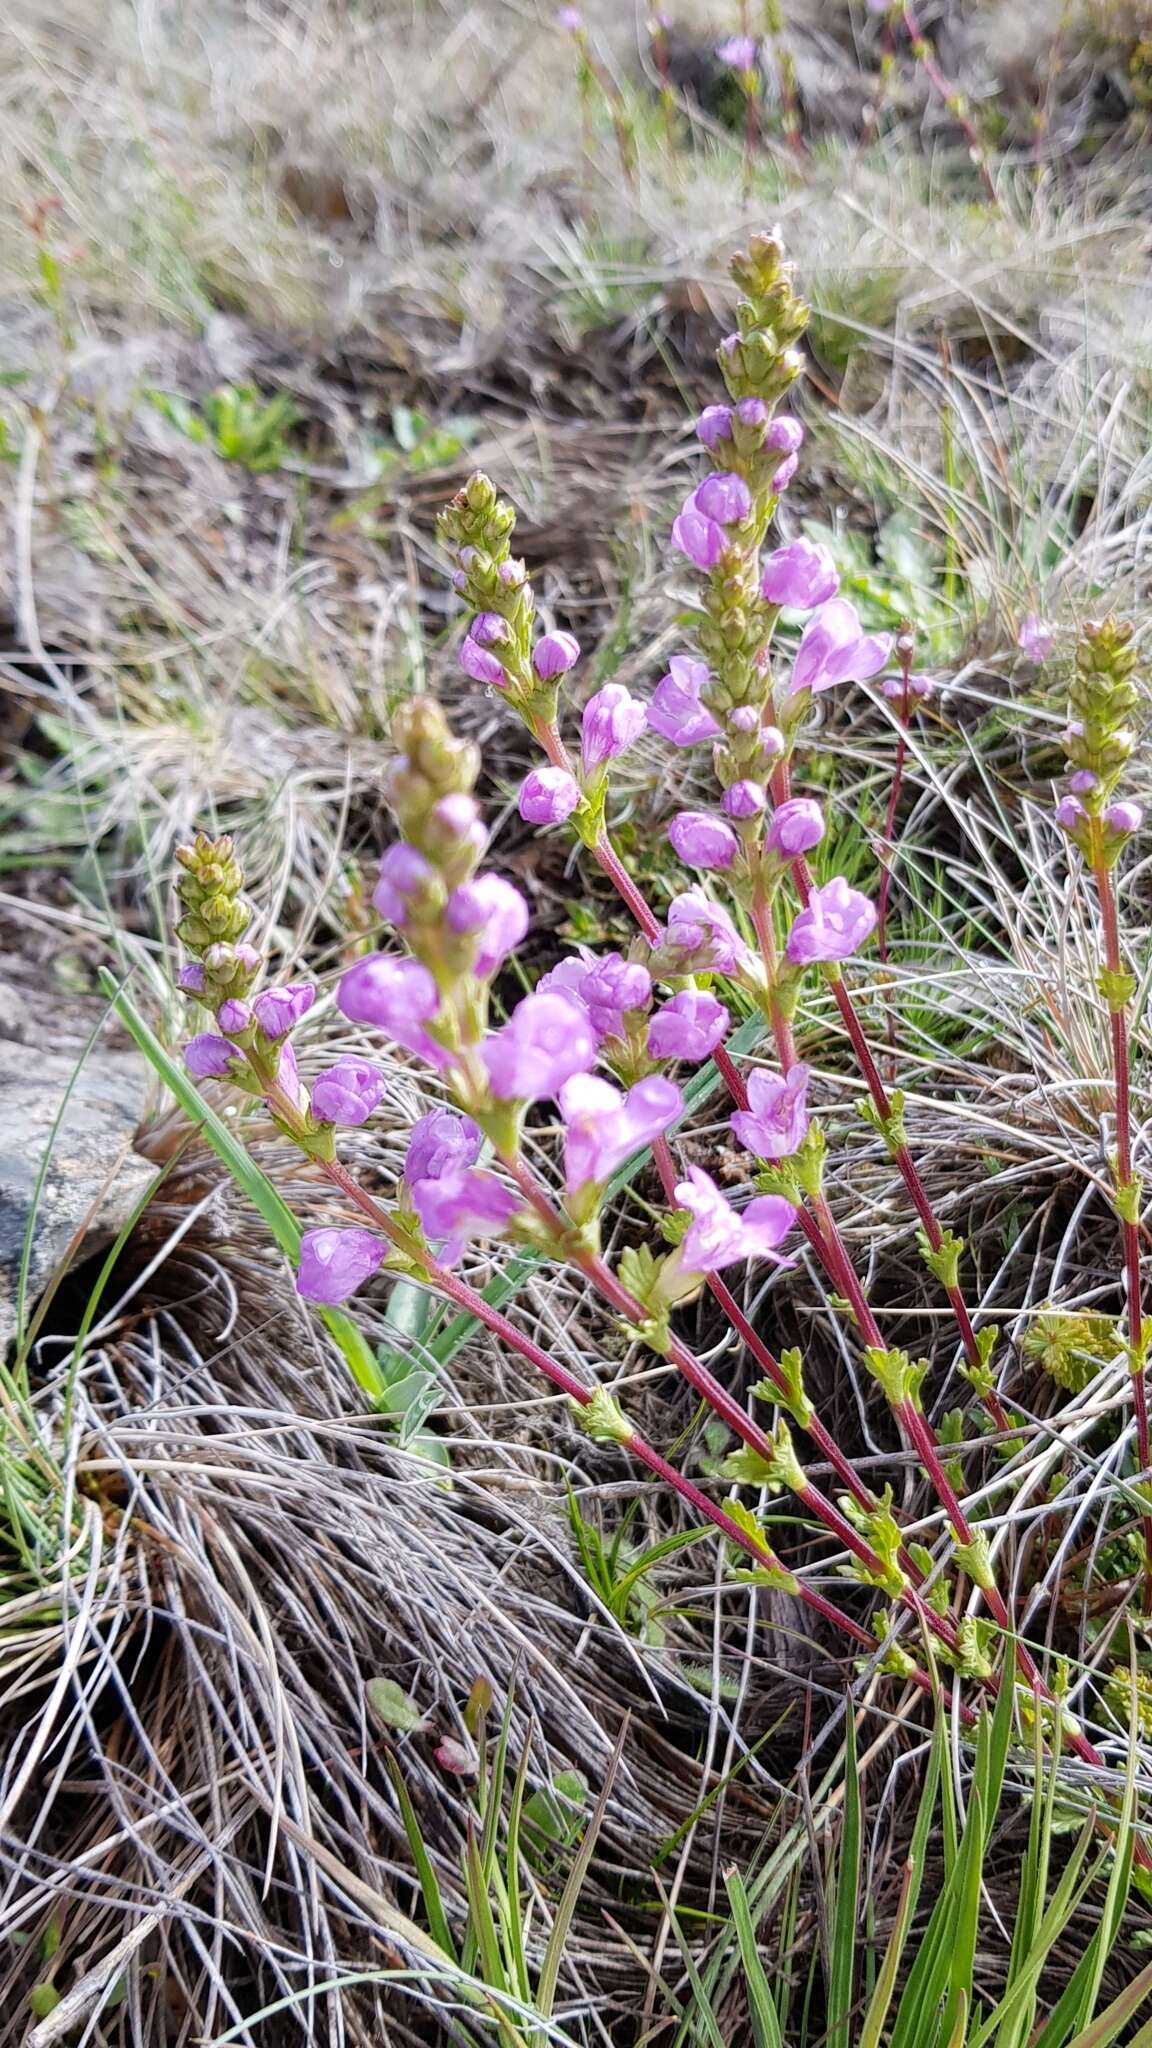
(278, 1010)
(554, 654)
(1124, 818)
(702, 841)
(743, 800)
(548, 796)
(797, 826)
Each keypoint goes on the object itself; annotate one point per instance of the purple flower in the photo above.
(697, 537)
(603, 1127)
(675, 710)
(739, 52)
(462, 1202)
(348, 1092)
(608, 987)
(570, 18)
(776, 1120)
(688, 1027)
(724, 497)
(702, 841)
(785, 435)
(278, 1010)
(703, 931)
(191, 979)
(548, 796)
(441, 1143)
(554, 654)
(404, 872)
(545, 1042)
(918, 686)
(1082, 781)
(743, 800)
(480, 665)
(1069, 813)
(801, 574)
(714, 425)
(489, 630)
(457, 822)
(209, 1057)
(612, 719)
(797, 826)
(220, 959)
(717, 1236)
(234, 1017)
(1124, 817)
(334, 1263)
(834, 926)
(1036, 638)
(395, 996)
(744, 718)
(497, 915)
(785, 473)
(835, 649)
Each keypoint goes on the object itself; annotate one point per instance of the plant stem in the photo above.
(1118, 1025)
(954, 101)
(888, 844)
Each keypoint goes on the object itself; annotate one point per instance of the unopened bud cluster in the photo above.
(1104, 699)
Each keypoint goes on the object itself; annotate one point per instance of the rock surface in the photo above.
(94, 1176)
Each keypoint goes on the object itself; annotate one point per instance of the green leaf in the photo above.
(761, 2004)
(393, 1706)
(438, 1925)
(846, 1903)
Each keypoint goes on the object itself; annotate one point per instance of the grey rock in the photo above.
(94, 1177)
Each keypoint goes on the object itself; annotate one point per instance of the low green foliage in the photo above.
(237, 421)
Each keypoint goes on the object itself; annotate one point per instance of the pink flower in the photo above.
(234, 1017)
(191, 979)
(801, 574)
(835, 925)
(334, 1263)
(605, 987)
(462, 1202)
(687, 1027)
(611, 721)
(395, 996)
(278, 1010)
(717, 1236)
(483, 667)
(1124, 817)
(714, 425)
(675, 710)
(797, 826)
(776, 1120)
(785, 435)
(544, 1043)
(835, 649)
(1082, 781)
(348, 1092)
(918, 686)
(404, 873)
(785, 473)
(702, 934)
(440, 1142)
(724, 497)
(489, 630)
(739, 52)
(604, 1127)
(548, 796)
(210, 1057)
(554, 654)
(494, 913)
(743, 800)
(1036, 638)
(697, 537)
(752, 412)
(1069, 813)
(702, 841)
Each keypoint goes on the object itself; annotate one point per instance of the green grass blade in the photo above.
(437, 1918)
(553, 1954)
(1105, 2029)
(761, 2004)
(846, 1902)
(885, 1986)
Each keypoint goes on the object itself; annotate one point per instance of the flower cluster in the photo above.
(1099, 741)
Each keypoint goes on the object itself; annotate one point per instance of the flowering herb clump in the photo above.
(595, 1058)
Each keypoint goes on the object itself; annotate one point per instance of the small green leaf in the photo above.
(393, 1706)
